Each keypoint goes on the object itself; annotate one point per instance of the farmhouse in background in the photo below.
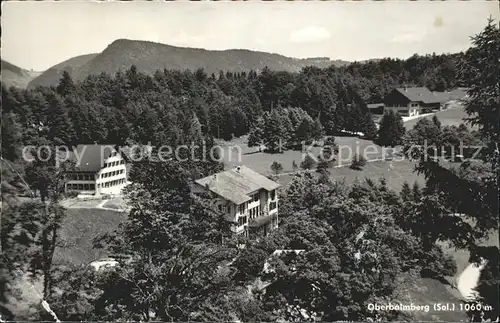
(100, 169)
(412, 101)
(249, 199)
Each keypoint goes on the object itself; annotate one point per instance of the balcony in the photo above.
(262, 219)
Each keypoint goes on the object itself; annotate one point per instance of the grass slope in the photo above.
(80, 227)
(449, 117)
(396, 173)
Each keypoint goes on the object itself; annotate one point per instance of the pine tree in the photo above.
(436, 121)
(256, 135)
(276, 167)
(391, 130)
(416, 192)
(274, 132)
(60, 129)
(304, 132)
(329, 148)
(118, 128)
(406, 192)
(358, 161)
(87, 122)
(66, 85)
(194, 132)
(369, 127)
(240, 122)
(308, 162)
(318, 132)
(11, 136)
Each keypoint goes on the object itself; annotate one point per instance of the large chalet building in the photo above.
(249, 199)
(99, 169)
(412, 101)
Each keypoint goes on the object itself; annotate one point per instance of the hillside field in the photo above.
(80, 227)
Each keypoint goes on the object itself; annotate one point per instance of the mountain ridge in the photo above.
(13, 75)
(150, 56)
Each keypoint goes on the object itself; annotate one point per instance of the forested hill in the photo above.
(149, 57)
(54, 74)
(13, 75)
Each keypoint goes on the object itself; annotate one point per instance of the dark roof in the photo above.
(235, 184)
(419, 94)
(91, 157)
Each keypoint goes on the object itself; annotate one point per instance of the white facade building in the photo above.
(249, 199)
(99, 169)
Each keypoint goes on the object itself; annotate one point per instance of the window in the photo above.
(80, 187)
(256, 197)
(273, 205)
(273, 194)
(242, 220)
(242, 208)
(92, 186)
(219, 207)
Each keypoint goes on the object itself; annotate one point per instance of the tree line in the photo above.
(134, 107)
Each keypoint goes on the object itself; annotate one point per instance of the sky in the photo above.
(38, 35)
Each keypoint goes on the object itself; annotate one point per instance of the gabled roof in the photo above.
(91, 157)
(235, 184)
(418, 94)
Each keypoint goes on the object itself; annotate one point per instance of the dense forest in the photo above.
(131, 107)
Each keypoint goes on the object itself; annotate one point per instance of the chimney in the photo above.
(238, 169)
(406, 89)
(215, 177)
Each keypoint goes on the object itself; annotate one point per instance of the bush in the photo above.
(276, 167)
(358, 161)
(307, 163)
(250, 263)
